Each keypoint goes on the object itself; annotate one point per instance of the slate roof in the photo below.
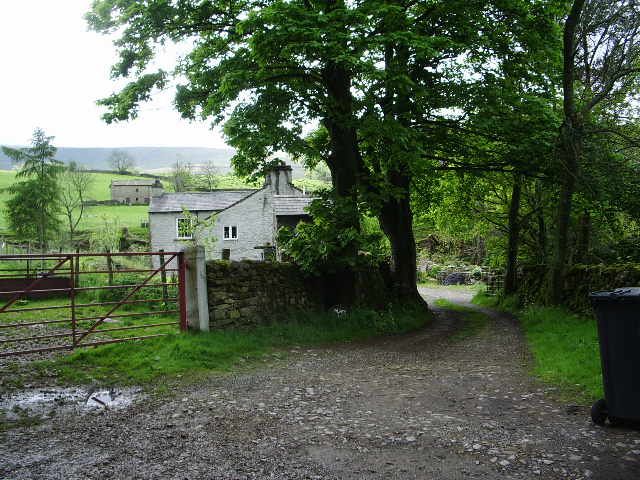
(291, 204)
(132, 183)
(197, 201)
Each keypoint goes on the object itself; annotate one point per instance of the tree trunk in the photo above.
(570, 153)
(542, 226)
(584, 238)
(396, 220)
(511, 277)
(343, 161)
(395, 215)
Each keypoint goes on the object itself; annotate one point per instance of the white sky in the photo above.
(52, 70)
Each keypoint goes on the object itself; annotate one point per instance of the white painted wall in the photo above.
(254, 218)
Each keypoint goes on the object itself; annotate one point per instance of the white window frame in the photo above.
(228, 229)
(190, 237)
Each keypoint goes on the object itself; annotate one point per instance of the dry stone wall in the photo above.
(580, 280)
(250, 293)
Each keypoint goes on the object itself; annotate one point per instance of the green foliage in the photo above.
(222, 351)
(107, 236)
(434, 271)
(320, 246)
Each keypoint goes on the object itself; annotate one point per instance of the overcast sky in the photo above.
(52, 70)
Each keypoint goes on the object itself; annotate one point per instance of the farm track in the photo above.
(421, 405)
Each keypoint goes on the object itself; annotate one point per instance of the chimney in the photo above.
(157, 189)
(279, 179)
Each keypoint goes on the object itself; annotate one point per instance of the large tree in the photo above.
(375, 75)
(121, 161)
(34, 204)
(600, 78)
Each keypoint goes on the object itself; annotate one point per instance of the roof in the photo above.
(291, 204)
(197, 201)
(133, 183)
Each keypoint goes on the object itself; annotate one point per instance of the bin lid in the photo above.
(618, 293)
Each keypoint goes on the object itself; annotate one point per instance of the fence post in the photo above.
(72, 299)
(28, 260)
(76, 269)
(110, 267)
(163, 277)
(195, 285)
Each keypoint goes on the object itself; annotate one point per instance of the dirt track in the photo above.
(417, 406)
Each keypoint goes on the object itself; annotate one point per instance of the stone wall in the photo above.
(251, 293)
(580, 280)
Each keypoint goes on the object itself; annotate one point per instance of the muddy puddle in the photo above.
(47, 402)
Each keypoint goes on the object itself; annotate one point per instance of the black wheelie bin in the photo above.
(618, 315)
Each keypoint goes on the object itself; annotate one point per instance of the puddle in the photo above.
(47, 402)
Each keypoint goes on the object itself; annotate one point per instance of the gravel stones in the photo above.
(414, 406)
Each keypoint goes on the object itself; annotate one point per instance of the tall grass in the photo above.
(566, 351)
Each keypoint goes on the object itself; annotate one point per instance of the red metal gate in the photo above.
(84, 294)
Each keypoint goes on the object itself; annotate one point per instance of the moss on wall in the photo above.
(249, 292)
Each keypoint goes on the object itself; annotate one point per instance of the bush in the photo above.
(422, 277)
(434, 271)
(145, 293)
(325, 245)
(476, 273)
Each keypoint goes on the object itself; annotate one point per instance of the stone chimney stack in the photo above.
(157, 189)
(279, 180)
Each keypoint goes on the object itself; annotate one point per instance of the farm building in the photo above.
(246, 220)
(135, 192)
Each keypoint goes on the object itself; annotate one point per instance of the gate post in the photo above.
(195, 288)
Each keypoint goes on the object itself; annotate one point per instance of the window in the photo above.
(184, 227)
(230, 233)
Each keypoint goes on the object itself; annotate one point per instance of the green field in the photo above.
(96, 216)
(99, 189)
(123, 215)
(126, 216)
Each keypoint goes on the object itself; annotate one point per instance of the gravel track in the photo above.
(414, 406)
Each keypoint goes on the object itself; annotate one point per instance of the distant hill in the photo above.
(148, 159)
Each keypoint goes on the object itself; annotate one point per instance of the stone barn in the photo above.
(135, 192)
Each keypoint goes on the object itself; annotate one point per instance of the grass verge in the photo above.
(474, 321)
(564, 346)
(222, 351)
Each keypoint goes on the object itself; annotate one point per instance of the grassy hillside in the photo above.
(95, 216)
(146, 158)
(125, 216)
(99, 189)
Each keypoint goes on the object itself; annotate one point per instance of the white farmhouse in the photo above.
(246, 220)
